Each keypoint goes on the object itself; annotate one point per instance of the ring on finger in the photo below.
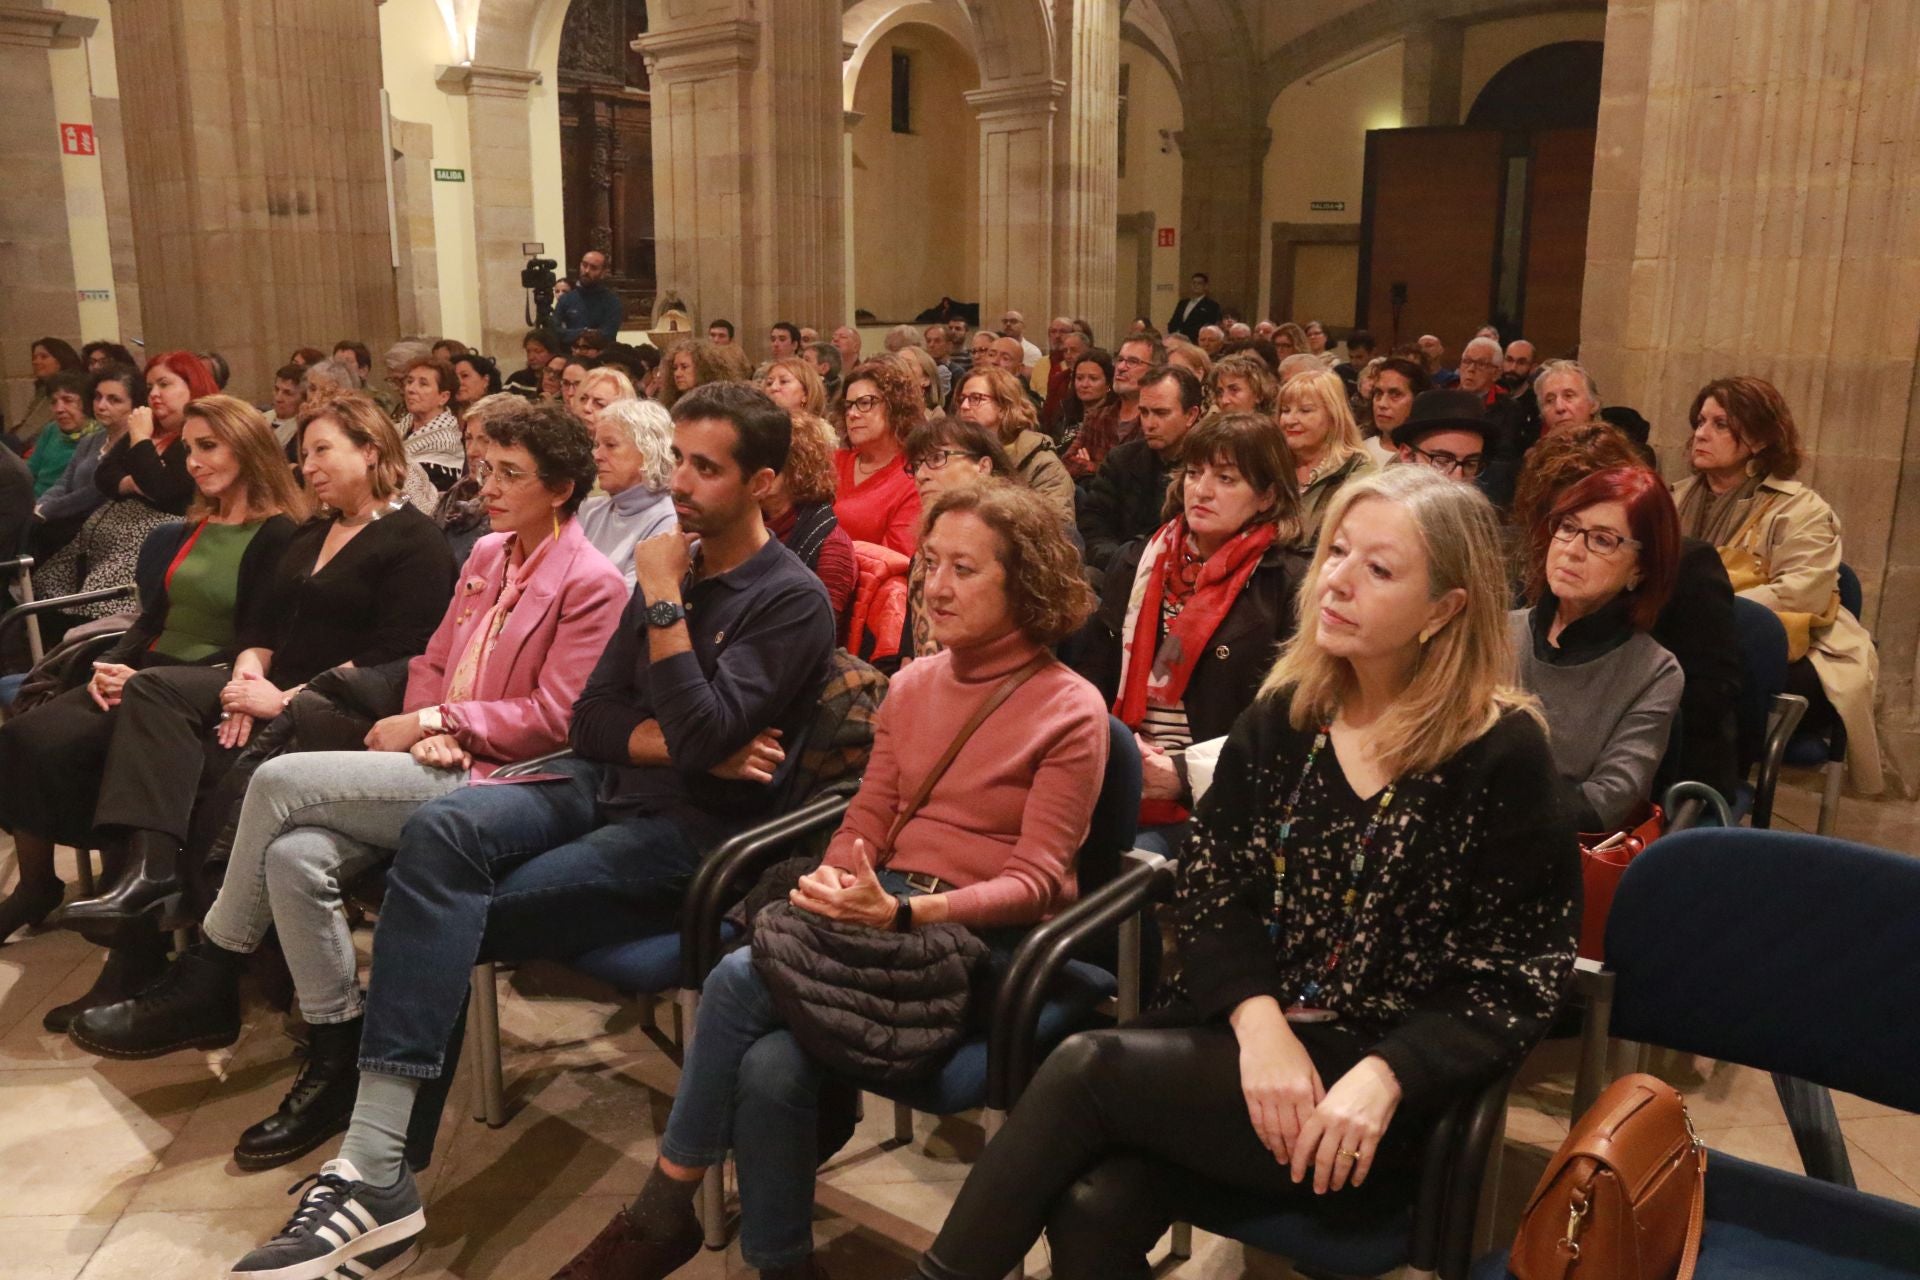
(1348, 1155)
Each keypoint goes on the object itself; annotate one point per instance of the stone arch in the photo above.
(869, 21)
(1014, 40)
(1384, 22)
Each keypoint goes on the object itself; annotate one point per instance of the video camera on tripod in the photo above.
(538, 278)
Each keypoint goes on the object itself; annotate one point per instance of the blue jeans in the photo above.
(748, 1086)
(523, 868)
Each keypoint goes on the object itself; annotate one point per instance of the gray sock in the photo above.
(376, 1142)
(664, 1207)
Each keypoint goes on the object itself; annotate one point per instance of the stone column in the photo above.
(1086, 164)
(1221, 174)
(749, 200)
(37, 297)
(1430, 88)
(257, 181)
(1753, 196)
(1017, 197)
(500, 147)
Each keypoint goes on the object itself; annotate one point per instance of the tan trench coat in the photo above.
(1799, 542)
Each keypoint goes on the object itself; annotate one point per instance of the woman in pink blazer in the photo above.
(533, 608)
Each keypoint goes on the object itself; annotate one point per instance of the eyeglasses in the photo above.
(509, 476)
(1446, 464)
(1127, 361)
(937, 460)
(975, 398)
(864, 404)
(1601, 542)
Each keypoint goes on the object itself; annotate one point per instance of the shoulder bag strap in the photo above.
(1001, 693)
(1696, 1222)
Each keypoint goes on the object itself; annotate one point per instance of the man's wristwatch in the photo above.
(903, 915)
(664, 613)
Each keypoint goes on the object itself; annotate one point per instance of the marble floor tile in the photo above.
(51, 1246)
(76, 1140)
(184, 1243)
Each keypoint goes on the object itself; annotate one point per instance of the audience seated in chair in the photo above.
(875, 412)
(1782, 546)
(1326, 443)
(497, 683)
(991, 848)
(1124, 501)
(1329, 1005)
(1603, 566)
(633, 457)
(993, 399)
(89, 755)
(678, 734)
(798, 508)
(944, 456)
(113, 393)
(1190, 619)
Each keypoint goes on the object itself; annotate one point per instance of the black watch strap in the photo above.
(903, 914)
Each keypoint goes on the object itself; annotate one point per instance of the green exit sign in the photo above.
(449, 175)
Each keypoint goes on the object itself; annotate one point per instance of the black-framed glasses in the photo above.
(864, 404)
(1447, 464)
(974, 397)
(1604, 543)
(937, 460)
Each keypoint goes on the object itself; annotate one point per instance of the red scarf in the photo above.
(1157, 673)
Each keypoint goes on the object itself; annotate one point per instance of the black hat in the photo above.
(1444, 411)
(1635, 427)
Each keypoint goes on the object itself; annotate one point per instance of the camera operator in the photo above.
(592, 304)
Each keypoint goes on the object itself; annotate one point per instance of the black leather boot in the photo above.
(128, 970)
(194, 1005)
(27, 906)
(146, 895)
(318, 1106)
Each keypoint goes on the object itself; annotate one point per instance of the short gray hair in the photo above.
(905, 335)
(1554, 368)
(405, 352)
(650, 427)
(1490, 344)
(498, 407)
(334, 373)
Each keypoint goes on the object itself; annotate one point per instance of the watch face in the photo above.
(664, 613)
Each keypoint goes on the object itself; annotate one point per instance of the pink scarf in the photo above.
(473, 662)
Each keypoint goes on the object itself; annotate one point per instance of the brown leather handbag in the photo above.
(1624, 1197)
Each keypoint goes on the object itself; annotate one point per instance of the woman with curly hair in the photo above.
(633, 456)
(693, 363)
(995, 839)
(874, 497)
(1242, 384)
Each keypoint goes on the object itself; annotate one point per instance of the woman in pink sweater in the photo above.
(531, 612)
(992, 848)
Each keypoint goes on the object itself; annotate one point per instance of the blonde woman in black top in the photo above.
(1376, 911)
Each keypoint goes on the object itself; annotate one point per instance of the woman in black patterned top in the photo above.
(1377, 910)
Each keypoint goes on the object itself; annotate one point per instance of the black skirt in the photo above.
(50, 764)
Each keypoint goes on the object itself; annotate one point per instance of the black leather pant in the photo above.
(1118, 1133)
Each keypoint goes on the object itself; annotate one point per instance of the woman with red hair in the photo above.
(1603, 564)
(143, 476)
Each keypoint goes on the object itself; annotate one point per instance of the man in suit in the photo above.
(1195, 311)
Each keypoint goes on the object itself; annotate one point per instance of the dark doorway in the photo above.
(606, 146)
(1556, 86)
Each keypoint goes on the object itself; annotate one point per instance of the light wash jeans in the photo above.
(311, 822)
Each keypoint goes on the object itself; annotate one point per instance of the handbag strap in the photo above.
(1696, 1221)
(1004, 690)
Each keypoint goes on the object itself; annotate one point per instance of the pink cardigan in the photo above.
(1007, 819)
(552, 639)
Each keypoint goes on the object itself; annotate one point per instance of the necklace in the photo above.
(1349, 899)
(373, 513)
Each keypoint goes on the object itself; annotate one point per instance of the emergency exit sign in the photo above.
(1327, 206)
(449, 175)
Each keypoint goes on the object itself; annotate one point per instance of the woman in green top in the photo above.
(222, 566)
(53, 447)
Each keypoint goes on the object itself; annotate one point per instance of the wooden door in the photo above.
(1430, 221)
(1559, 190)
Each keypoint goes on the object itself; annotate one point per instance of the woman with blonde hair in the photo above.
(1290, 339)
(1376, 912)
(995, 400)
(600, 388)
(795, 385)
(920, 366)
(633, 460)
(1242, 384)
(222, 586)
(1328, 449)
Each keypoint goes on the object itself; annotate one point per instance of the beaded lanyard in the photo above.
(1356, 868)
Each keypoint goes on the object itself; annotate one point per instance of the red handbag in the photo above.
(1603, 860)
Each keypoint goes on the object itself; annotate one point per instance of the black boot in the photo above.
(149, 891)
(28, 905)
(194, 1005)
(318, 1106)
(808, 1270)
(127, 972)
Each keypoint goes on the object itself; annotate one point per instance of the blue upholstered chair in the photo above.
(1768, 716)
(1793, 954)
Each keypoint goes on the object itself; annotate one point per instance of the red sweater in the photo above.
(1009, 816)
(883, 508)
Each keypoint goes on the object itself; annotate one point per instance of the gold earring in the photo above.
(1428, 634)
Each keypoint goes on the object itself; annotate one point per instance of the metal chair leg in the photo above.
(713, 1205)
(83, 870)
(1593, 1075)
(1836, 771)
(902, 1123)
(1182, 1241)
(483, 1019)
(1816, 1129)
